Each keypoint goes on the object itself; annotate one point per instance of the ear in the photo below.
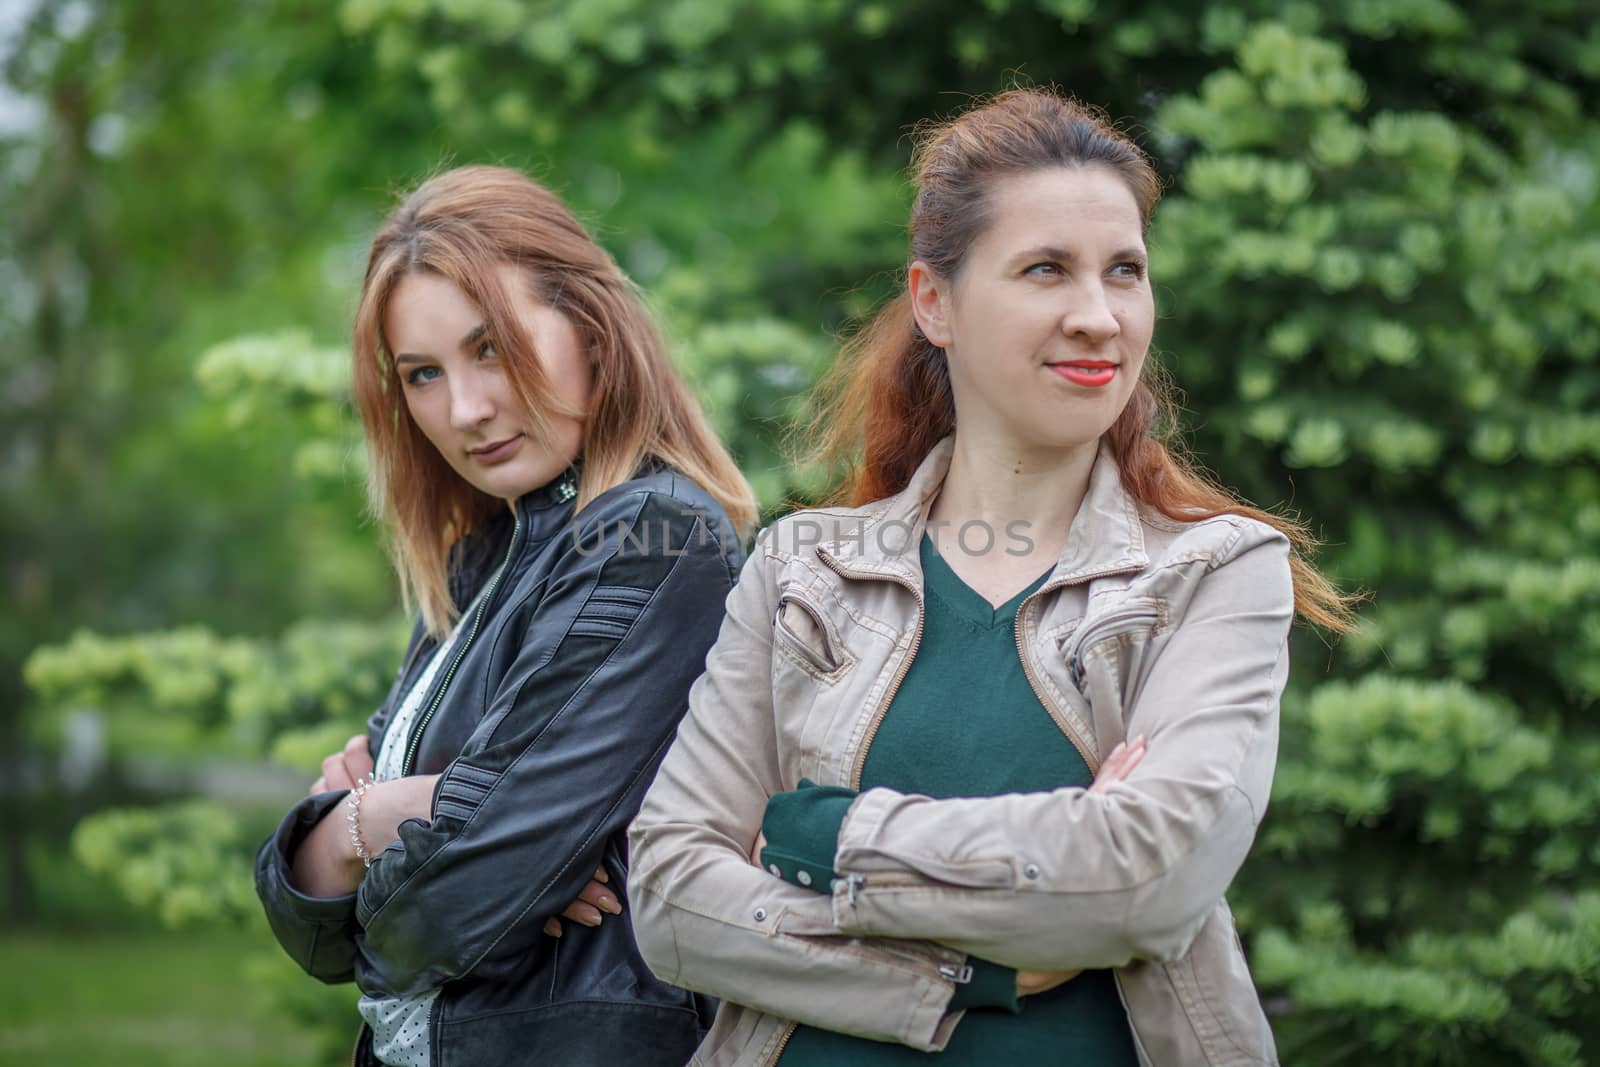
(930, 303)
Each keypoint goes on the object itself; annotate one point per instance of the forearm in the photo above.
(1115, 879)
(318, 933)
(1080, 878)
(327, 865)
(719, 925)
(706, 918)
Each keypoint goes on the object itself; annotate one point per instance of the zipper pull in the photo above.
(959, 973)
(1075, 671)
(853, 886)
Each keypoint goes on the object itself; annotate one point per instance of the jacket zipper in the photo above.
(405, 671)
(1084, 750)
(860, 763)
(826, 666)
(883, 707)
(783, 1042)
(1111, 626)
(872, 731)
(1115, 625)
(461, 651)
(435, 1041)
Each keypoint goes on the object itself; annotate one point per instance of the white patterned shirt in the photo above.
(400, 1025)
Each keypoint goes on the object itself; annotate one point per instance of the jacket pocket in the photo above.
(808, 639)
(1220, 996)
(1136, 616)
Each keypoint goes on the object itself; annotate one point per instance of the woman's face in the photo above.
(1048, 320)
(456, 389)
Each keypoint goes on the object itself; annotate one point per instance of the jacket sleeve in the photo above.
(706, 918)
(1072, 879)
(802, 832)
(318, 933)
(560, 760)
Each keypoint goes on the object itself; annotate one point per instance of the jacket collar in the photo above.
(558, 492)
(541, 512)
(1106, 536)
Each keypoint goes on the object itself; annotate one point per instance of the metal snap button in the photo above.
(804, 877)
(1031, 870)
(775, 870)
(761, 915)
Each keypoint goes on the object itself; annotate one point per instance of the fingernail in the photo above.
(608, 904)
(553, 932)
(592, 922)
(601, 876)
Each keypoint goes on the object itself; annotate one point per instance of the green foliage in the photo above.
(1519, 994)
(251, 376)
(181, 861)
(1379, 289)
(1382, 297)
(294, 698)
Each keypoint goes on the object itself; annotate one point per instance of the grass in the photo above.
(139, 998)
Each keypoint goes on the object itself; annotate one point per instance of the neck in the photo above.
(999, 483)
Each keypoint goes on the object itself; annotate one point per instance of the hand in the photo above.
(1116, 768)
(1119, 764)
(1030, 983)
(345, 767)
(755, 850)
(593, 899)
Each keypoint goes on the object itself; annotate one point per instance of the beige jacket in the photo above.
(1145, 626)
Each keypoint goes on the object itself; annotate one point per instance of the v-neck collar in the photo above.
(972, 606)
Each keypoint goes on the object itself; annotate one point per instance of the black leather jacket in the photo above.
(547, 724)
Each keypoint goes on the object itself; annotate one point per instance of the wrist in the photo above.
(389, 803)
(801, 827)
(992, 986)
(353, 822)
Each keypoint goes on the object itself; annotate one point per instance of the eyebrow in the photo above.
(1056, 252)
(473, 336)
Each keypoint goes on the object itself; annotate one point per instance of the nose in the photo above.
(1089, 316)
(471, 401)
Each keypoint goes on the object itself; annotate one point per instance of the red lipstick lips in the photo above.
(1090, 373)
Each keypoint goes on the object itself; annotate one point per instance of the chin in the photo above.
(1065, 435)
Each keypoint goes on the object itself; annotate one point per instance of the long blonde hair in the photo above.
(464, 225)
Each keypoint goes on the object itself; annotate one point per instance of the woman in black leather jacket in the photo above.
(568, 526)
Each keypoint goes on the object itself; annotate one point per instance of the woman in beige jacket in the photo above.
(912, 808)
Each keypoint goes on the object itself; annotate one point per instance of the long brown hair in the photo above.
(463, 225)
(888, 400)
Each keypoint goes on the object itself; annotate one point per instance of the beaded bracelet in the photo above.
(352, 818)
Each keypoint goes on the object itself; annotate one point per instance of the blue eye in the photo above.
(1045, 269)
(486, 350)
(422, 375)
(1132, 268)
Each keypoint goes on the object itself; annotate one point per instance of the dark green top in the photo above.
(965, 722)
